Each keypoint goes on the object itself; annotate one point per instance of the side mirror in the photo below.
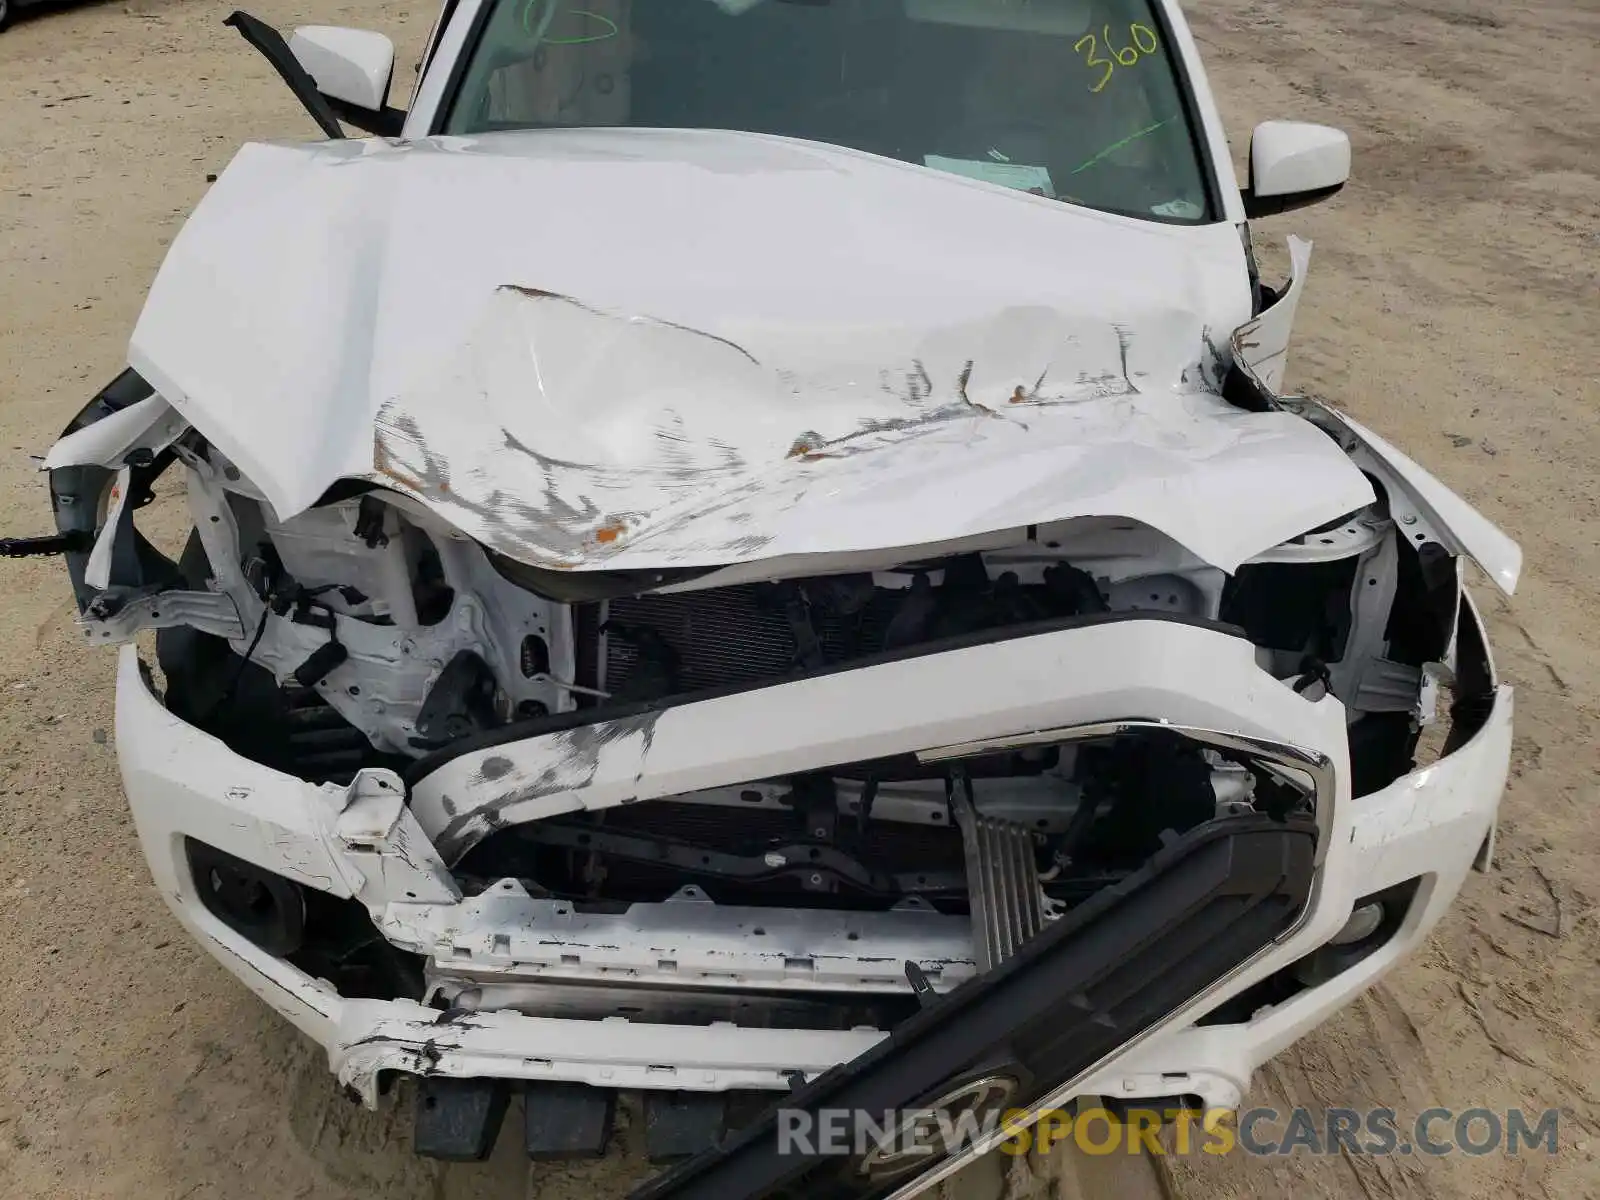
(1293, 164)
(352, 69)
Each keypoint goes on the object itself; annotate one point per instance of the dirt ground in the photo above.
(1453, 305)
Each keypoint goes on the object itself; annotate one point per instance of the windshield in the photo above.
(1078, 100)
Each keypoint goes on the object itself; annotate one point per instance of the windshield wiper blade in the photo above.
(276, 51)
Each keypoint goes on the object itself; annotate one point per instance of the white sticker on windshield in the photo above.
(1185, 210)
(1012, 175)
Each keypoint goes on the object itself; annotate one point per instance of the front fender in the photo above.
(1425, 509)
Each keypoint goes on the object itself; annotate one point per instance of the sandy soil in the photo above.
(1452, 305)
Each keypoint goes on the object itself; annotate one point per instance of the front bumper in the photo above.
(364, 843)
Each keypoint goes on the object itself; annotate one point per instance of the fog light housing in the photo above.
(1363, 923)
(1372, 922)
(267, 909)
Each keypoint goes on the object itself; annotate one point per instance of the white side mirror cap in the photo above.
(352, 65)
(1293, 164)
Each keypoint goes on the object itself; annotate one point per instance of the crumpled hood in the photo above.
(652, 349)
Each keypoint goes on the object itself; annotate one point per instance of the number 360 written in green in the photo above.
(1144, 42)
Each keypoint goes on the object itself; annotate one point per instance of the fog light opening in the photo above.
(1363, 923)
(265, 908)
(1372, 923)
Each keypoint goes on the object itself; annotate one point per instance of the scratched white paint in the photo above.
(617, 347)
(1188, 674)
(1261, 344)
(647, 348)
(567, 437)
(149, 423)
(1429, 822)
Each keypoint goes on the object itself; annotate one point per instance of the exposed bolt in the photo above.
(1409, 519)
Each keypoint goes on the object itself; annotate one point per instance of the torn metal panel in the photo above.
(227, 801)
(116, 534)
(595, 765)
(149, 425)
(376, 1036)
(773, 334)
(387, 850)
(998, 690)
(1261, 345)
(116, 615)
(1424, 508)
(570, 438)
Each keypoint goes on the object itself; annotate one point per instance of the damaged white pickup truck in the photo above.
(752, 550)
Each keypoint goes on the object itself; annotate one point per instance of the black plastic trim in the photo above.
(276, 51)
(387, 121)
(1096, 979)
(1270, 206)
(76, 493)
(264, 908)
(1476, 685)
(583, 587)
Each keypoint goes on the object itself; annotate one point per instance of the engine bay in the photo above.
(372, 634)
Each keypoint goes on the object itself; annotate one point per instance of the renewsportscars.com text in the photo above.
(1254, 1131)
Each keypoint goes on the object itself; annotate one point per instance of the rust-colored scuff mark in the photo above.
(383, 463)
(608, 533)
(1027, 395)
(806, 446)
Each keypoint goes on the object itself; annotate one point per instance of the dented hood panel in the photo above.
(648, 349)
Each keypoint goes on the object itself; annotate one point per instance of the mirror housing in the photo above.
(352, 69)
(1293, 164)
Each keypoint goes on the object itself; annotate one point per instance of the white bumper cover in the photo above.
(364, 842)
